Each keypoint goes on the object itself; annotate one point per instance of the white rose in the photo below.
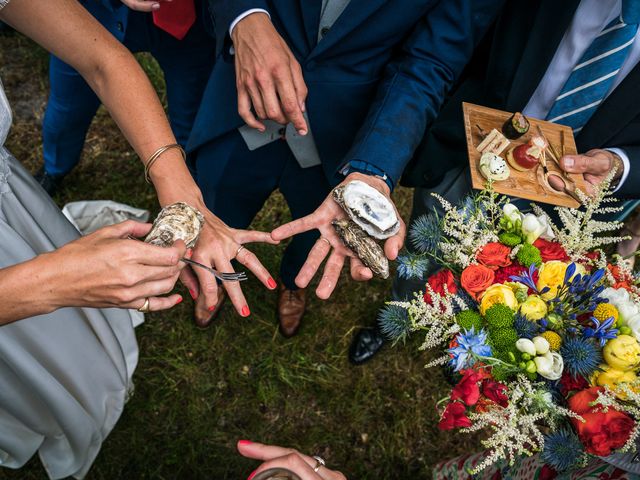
(547, 233)
(616, 296)
(550, 365)
(627, 310)
(634, 324)
(525, 345)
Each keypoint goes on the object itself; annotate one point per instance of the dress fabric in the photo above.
(64, 376)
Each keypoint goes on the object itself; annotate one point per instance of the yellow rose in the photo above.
(497, 293)
(551, 274)
(622, 353)
(534, 308)
(611, 377)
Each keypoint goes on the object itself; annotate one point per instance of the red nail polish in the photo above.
(272, 283)
(245, 311)
(193, 294)
(179, 301)
(245, 442)
(253, 474)
(212, 308)
(189, 252)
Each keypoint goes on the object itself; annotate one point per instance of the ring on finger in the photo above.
(240, 248)
(325, 240)
(319, 463)
(145, 306)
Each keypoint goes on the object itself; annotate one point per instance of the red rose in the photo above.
(504, 274)
(454, 416)
(494, 255)
(551, 250)
(475, 279)
(495, 391)
(467, 388)
(437, 282)
(570, 384)
(601, 432)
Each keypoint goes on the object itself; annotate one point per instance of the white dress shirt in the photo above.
(590, 18)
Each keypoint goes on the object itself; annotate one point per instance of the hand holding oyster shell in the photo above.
(369, 213)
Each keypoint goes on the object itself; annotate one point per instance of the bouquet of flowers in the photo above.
(539, 328)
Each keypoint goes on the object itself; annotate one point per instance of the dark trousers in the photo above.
(236, 182)
(72, 104)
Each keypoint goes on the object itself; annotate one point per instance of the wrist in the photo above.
(250, 23)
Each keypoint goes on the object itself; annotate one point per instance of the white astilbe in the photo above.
(580, 232)
(517, 428)
(626, 273)
(437, 319)
(468, 228)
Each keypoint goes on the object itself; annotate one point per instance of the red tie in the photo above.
(175, 17)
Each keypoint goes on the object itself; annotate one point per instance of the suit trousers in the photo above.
(236, 182)
(72, 104)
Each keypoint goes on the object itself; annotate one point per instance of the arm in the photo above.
(67, 30)
(416, 82)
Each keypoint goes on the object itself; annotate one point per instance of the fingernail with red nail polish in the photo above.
(245, 311)
(179, 301)
(245, 442)
(189, 252)
(212, 308)
(193, 294)
(272, 283)
(253, 474)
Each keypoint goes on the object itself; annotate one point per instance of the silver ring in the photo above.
(240, 248)
(145, 306)
(328, 243)
(319, 460)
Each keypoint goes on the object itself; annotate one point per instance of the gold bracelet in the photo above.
(157, 154)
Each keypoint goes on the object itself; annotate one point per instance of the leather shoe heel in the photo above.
(291, 307)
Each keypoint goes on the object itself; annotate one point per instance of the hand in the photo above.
(268, 77)
(217, 246)
(594, 165)
(274, 457)
(144, 5)
(108, 269)
(321, 220)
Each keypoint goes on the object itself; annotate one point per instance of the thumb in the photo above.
(595, 164)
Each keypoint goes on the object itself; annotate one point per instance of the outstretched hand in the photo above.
(594, 166)
(330, 244)
(279, 457)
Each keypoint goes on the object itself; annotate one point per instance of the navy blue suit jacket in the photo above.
(375, 81)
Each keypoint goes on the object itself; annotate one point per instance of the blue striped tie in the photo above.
(596, 70)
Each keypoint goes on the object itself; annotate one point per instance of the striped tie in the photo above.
(595, 72)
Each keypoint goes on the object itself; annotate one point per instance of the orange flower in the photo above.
(475, 279)
(494, 255)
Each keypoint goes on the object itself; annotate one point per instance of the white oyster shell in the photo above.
(177, 221)
(368, 208)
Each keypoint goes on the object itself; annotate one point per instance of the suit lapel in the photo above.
(548, 29)
(311, 10)
(613, 114)
(353, 16)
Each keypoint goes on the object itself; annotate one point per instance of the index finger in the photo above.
(148, 254)
(290, 105)
(295, 227)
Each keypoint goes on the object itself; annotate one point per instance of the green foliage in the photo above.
(510, 239)
(529, 255)
(499, 316)
(468, 319)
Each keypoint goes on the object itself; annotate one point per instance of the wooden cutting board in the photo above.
(527, 184)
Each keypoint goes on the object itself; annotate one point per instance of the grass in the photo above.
(198, 392)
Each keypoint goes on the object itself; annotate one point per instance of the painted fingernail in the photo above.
(245, 442)
(253, 474)
(193, 294)
(179, 300)
(272, 283)
(568, 162)
(189, 252)
(245, 311)
(212, 308)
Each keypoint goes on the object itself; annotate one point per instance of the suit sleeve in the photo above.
(110, 5)
(631, 187)
(416, 82)
(224, 12)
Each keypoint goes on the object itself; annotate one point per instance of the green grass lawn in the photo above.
(198, 392)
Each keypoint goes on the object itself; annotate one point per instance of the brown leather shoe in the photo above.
(291, 307)
(222, 297)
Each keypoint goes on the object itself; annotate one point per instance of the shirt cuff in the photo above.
(368, 169)
(244, 15)
(626, 165)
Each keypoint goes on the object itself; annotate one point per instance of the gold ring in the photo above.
(319, 463)
(240, 248)
(145, 306)
(325, 240)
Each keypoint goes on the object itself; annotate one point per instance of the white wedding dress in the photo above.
(64, 376)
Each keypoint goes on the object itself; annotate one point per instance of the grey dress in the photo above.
(64, 376)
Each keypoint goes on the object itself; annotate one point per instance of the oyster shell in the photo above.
(369, 208)
(363, 246)
(177, 221)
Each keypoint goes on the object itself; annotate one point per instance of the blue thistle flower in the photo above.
(562, 450)
(471, 345)
(426, 233)
(602, 331)
(525, 328)
(581, 356)
(412, 265)
(394, 322)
